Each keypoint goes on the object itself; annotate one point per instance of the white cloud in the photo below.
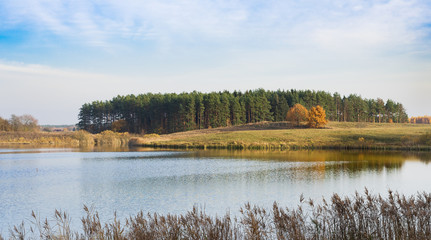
(383, 26)
(100, 20)
(164, 45)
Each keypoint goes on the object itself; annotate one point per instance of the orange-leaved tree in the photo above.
(317, 117)
(297, 114)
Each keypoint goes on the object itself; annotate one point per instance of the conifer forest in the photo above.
(171, 112)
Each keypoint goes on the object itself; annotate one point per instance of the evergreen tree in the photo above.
(236, 111)
(165, 113)
(380, 108)
(200, 109)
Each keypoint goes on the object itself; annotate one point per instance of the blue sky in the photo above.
(56, 55)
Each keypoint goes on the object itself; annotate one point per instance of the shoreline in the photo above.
(259, 136)
(267, 136)
(283, 147)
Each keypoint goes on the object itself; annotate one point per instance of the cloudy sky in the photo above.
(56, 55)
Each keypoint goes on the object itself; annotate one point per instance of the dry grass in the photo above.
(64, 139)
(265, 135)
(110, 138)
(40, 138)
(363, 216)
(283, 136)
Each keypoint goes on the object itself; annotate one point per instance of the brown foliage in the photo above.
(297, 114)
(119, 126)
(24, 123)
(317, 117)
(110, 138)
(4, 125)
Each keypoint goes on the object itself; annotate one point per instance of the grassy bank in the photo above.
(267, 135)
(337, 135)
(63, 139)
(363, 216)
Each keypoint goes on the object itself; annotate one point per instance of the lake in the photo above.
(127, 181)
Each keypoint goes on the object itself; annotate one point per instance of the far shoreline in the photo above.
(281, 136)
(284, 136)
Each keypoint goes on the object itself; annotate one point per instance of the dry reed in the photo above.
(362, 216)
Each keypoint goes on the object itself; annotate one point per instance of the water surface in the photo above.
(174, 181)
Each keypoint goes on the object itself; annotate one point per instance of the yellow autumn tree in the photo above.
(297, 114)
(317, 117)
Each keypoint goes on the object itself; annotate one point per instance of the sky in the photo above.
(56, 55)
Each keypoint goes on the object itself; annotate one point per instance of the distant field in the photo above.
(283, 136)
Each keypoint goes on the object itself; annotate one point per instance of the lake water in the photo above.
(174, 181)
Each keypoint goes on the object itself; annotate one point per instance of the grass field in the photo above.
(336, 135)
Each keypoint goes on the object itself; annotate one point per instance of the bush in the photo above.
(84, 138)
(110, 138)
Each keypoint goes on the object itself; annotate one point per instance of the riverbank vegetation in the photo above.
(362, 216)
(168, 113)
(64, 139)
(285, 135)
(263, 135)
(24, 123)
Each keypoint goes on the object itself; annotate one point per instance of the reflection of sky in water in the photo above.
(175, 181)
(30, 150)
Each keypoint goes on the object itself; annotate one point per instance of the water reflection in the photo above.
(351, 161)
(174, 181)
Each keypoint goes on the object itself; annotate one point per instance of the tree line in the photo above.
(421, 120)
(171, 112)
(24, 123)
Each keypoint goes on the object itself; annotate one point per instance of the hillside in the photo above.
(281, 135)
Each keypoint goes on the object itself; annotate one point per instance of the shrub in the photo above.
(110, 138)
(85, 138)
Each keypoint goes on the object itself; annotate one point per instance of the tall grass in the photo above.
(110, 138)
(79, 138)
(362, 216)
(84, 138)
(41, 138)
